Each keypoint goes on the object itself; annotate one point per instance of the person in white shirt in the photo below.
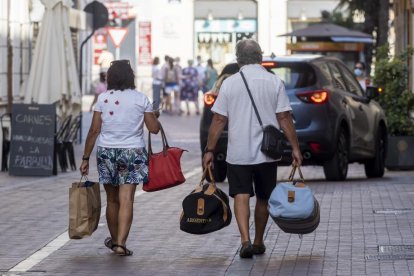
(246, 163)
(118, 121)
(156, 83)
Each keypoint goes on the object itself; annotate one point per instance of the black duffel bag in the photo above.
(206, 209)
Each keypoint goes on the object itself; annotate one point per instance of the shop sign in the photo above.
(100, 43)
(144, 43)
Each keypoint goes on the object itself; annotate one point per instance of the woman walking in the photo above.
(211, 75)
(189, 90)
(118, 122)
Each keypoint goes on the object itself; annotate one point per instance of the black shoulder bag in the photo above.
(272, 142)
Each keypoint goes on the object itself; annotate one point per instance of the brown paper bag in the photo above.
(84, 209)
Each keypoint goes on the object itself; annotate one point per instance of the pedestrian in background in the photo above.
(156, 83)
(117, 123)
(245, 161)
(100, 87)
(211, 75)
(360, 74)
(177, 93)
(189, 90)
(171, 77)
(201, 74)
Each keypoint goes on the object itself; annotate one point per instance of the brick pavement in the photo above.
(348, 232)
(34, 212)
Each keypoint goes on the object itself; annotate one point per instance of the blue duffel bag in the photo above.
(293, 206)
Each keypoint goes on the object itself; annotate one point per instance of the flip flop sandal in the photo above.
(126, 252)
(108, 243)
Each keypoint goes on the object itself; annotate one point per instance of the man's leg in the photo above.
(242, 213)
(265, 181)
(261, 215)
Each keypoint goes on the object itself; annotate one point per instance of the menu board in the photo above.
(32, 143)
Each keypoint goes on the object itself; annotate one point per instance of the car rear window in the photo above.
(294, 75)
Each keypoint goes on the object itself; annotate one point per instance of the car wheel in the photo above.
(375, 167)
(337, 168)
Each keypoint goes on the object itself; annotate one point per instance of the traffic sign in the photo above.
(117, 35)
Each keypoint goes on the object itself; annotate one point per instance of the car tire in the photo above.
(375, 167)
(337, 168)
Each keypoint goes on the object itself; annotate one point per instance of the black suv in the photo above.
(336, 121)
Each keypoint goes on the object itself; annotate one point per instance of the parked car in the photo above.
(337, 123)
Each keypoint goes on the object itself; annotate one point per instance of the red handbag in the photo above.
(164, 169)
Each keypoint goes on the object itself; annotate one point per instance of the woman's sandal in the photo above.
(108, 243)
(126, 252)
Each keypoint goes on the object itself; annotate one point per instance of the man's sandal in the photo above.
(126, 252)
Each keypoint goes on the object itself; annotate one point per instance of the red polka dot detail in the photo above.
(106, 101)
(111, 113)
(116, 102)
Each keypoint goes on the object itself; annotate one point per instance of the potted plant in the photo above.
(397, 100)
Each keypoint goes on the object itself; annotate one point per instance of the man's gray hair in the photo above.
(248, 51)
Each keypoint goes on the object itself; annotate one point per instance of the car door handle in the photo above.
(360, 108)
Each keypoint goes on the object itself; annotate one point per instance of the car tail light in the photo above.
(209, 98)
(269, 64)
(316, 97)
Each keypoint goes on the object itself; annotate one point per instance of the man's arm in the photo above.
(286, 123)
(216, 128)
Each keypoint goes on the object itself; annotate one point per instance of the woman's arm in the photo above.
(151, 122)
(93, 133)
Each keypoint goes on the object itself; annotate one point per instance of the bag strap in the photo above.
(292, 174)
(251, 98)
(206, 171)
(165, 145)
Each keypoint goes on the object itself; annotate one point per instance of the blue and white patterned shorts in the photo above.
(118, 166)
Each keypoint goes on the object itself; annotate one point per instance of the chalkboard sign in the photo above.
(32, 140)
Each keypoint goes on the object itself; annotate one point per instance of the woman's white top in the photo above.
(122, 118)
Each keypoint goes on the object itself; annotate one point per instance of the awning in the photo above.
(334, 32)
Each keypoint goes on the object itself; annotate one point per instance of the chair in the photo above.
(5, 122)
(70, 139)
(60, 136)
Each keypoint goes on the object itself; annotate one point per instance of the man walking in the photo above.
(246, 164)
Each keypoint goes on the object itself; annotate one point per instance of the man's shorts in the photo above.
(117, 166)
(242, 177)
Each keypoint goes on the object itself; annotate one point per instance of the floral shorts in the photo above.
(118, 166)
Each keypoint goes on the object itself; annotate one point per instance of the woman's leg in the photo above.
(125, 215)
(112, 210)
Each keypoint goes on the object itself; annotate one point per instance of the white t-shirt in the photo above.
(244, 131)
(122, 118)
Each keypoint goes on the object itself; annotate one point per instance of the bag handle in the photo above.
(165, 145)
(251, 98)
(292, 174)
(199, 187)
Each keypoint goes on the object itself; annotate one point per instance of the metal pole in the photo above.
(117, 53)
(9, 63)
(81, 78)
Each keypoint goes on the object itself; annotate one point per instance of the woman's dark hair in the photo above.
(102, 76)
(231, 68)
(120, 76)
(171, 63)
(156, 61)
